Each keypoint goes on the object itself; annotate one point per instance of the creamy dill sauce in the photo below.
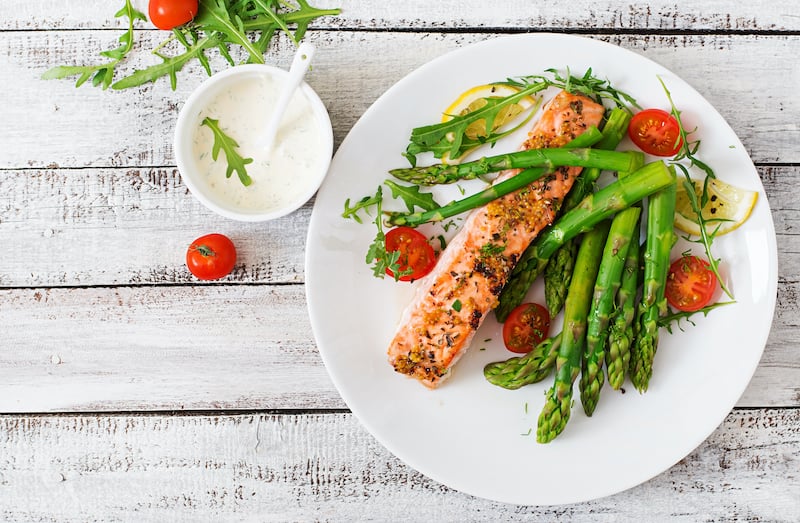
(243, 109)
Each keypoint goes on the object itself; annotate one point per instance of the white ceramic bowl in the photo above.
(196, 178)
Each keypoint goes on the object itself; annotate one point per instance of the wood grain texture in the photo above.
(214, 347)
(155, 348)
(129, 226)
(132, 226)
(422, 15)
(325, 467)
(99, 316)
(56, 125)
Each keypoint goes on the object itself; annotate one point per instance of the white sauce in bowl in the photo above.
(243, 107)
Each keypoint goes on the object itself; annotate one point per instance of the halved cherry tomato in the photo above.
(526, 327)
(690, 284)
(167, 14)
(655, 132)
(416, 253)
(211, 257)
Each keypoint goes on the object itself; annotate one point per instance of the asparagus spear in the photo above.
(622, 327)
(605, 290)
(653, 305)
(592, 209)
(550, 158)
(483, 197)
(558, 274)
(558, 271)
(558, 402)
(533, 367)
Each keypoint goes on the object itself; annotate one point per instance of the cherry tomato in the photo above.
(690, 283)
(526, 327)
(211, 257)
(167, 14)
(415, 252)
(655, 132)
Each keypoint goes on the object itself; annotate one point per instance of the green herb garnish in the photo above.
(687, 152)
(412, 196)
(219, 24)
(229, 145)
(377, 256)
(450, 137)
(102, 74)
(676, 317)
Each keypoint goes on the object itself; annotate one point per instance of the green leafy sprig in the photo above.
(377, 256)
(450, 137)
(245, 24)
(587, 85)
(102, 74)
(676, 317)
(232, 156)
(687, 152)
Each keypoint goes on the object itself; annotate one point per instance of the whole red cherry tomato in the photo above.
(211, 257)
(167, 14)
(655, 132)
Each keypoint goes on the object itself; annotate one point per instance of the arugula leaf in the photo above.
(102, 74)
(364, 203)
(229, 145)
(214, 15)
(676, 317)
(377, 256)
(170, 65)
(588, 85)
(219, 24)
(449, 137)
(411, 195)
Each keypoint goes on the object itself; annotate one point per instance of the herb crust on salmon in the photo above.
(450, 303)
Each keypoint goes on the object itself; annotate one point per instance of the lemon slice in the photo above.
(476, 98)
(727, 207)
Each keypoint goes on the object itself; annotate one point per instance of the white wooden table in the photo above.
(130, 391)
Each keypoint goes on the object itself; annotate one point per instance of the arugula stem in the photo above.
(687, 151)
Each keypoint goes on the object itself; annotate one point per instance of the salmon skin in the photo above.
(452, 301)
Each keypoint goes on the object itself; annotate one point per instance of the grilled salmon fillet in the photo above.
(452, 301)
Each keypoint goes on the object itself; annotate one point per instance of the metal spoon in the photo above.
(300, 64)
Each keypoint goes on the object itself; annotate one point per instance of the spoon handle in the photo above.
(300, 64)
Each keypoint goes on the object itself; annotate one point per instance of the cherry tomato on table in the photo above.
(655, 132)
(526, 327)
(690, 284)
(211, 257)
(167, 14)
(416, 253)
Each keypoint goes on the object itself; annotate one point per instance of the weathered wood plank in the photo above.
(326, 467)
(132, 226)
(129, 226)
(657, 15)
(50, 123)
(218, 347)
(151, 348)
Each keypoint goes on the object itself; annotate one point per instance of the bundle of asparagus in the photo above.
(592, 262)
(602, 281)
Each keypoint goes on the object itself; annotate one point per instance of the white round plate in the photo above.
(469, 434)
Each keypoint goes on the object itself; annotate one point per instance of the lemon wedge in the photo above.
(476, 98)
(726, 209)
